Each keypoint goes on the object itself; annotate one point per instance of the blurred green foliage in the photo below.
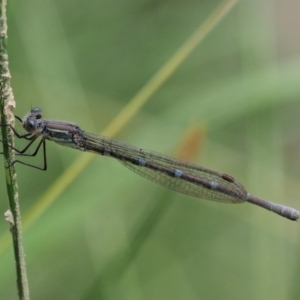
(114, 235)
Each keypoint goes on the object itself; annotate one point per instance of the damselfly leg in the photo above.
(31, 138)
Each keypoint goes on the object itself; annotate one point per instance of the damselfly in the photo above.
(175, 174)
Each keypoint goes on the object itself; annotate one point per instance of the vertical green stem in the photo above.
(7, 104)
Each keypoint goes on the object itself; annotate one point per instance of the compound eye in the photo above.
(31, 125)
(37, 112)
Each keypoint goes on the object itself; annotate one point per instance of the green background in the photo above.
(114, 235)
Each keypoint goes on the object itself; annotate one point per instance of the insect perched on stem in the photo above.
(175, 174)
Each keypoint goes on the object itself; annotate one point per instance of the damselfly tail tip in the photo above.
(296, 215)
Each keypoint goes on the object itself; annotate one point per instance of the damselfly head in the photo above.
(32, 121)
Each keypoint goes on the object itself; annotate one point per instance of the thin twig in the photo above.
(7, 104)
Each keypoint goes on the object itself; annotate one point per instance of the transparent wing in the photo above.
(130, 156)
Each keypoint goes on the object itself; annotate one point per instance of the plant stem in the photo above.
(7, 104)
